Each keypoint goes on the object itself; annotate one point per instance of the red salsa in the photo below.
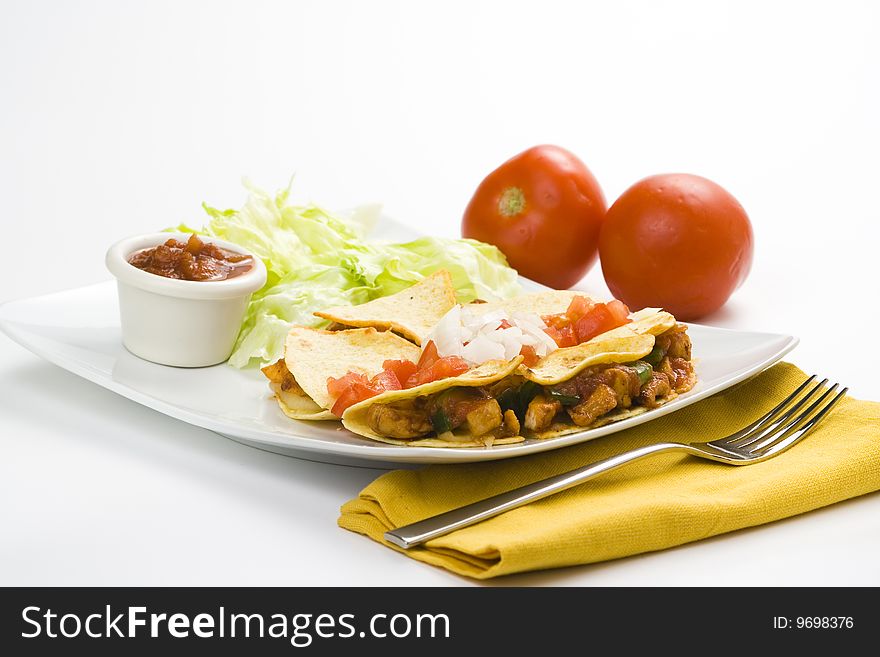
(193, 260)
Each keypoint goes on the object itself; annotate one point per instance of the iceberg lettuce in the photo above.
(316, 259)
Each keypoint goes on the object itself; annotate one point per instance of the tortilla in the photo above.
(564, 364)
(313, 355)
(437, 442)
(412, 312)
(623, 344)
(548, 302)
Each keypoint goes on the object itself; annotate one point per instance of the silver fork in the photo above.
(763, 439)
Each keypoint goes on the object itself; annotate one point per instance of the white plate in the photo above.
(79, 331)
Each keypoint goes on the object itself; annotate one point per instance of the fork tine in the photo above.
(782, 433)
(769, 416)
(794, 434)
(771, 428)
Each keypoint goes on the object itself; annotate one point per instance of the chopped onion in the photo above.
(481, 349)
(478, 337)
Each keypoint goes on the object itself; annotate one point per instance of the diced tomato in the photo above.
(554, 333)
(619, 312)
(578, 307)
(346, 399)
(441, 368)
(349, 390)
(556, 321)
(563, 337)
(529, 355)
(403, 369)
(584, 320)
(386, 380)
(597, 321)
(395, 375)
(429, 356)
(504, 325)
(569, 339)
(593, 323)
(450, 366)
(337, 386)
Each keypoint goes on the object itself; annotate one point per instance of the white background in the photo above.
(122, 117)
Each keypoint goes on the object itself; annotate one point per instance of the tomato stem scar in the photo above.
(512, 202)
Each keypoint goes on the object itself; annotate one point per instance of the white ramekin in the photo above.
(175, 322)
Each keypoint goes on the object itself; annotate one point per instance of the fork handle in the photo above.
(418, 532)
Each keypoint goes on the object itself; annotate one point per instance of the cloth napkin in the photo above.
(652, 504)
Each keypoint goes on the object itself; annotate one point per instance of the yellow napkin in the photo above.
(656, 503)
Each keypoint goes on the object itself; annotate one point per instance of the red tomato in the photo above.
(403, 369)
(543, 209)
(337, 386)
(584, 320)
(349, 397)
(441, 368)
(678, 242)
(349, 390)
(563, 336)
(618, 311)
(449, 366)
(578, 307)
(569, 339)
(386, 380)
(429, 355)
(530, 357)
(597, 321)
(559, 321)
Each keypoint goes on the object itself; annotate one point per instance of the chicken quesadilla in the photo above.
(535, 366)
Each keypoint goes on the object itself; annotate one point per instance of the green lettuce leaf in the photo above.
(316, 259)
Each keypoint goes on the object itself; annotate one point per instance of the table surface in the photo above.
(119, 120)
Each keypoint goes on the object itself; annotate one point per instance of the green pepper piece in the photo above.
(656, 355)
(509, 400)
(440, 421)
(644, 370)
(517, 399)
(562, 398)
(527, 392)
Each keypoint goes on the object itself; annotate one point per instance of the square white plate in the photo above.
(79, 331)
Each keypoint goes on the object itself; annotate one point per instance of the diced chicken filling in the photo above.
(510, 425)
(602, 400)
(484, 417)
(657, 386)
(680, 373)
(282, 383)
(675, 342)
(541, 412)
(397, 421)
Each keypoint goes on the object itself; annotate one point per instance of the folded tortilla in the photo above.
(547, 302)
(624, 344)
(311, 356)
(621, 346)
(412, 312)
